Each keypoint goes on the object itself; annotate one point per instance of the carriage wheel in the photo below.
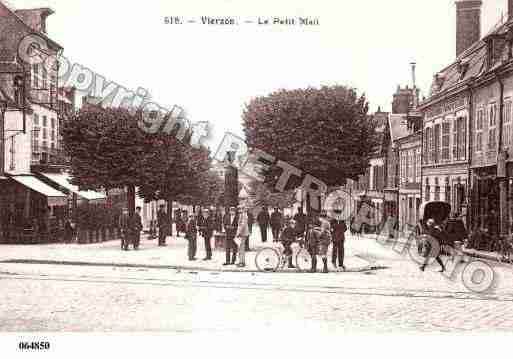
(303, 260)
(268, 260)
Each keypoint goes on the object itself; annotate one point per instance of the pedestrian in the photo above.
(251, 221)
(338, 230)
(124, 227)
(263, 220)
(163, 223)
(191, 234)
(178, 222)
(276, 224)
(287, 237)
(242, 235)
(319, 239)
(433, 235)
(68, 231)
(206, 225)
(230, 222)
(301, 220)
(136, 227)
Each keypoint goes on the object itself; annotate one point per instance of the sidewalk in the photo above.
(491, 256)
(173, 256)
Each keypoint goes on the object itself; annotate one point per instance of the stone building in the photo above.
(467, 124)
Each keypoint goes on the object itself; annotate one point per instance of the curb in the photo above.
(172, 267)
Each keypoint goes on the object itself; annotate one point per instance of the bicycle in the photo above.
(272, 259)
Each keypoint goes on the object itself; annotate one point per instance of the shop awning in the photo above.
(64, 180)
(55, 198)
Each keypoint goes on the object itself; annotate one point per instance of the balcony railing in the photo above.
(49, 156)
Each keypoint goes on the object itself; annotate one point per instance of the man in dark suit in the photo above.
(263, 220)
(206, 224)
(276, 223)
(136, 227)
(191, 233)
(338, 230)
(231, 222)
(162, 219)
(124, 226)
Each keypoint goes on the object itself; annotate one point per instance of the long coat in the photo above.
(230, 226)
(338, 230)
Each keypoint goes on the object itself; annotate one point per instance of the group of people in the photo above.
(317, 233)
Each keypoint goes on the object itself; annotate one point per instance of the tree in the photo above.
(324, 132)
(107, 150)
(261, 195)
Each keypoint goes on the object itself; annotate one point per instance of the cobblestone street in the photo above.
(396, 297)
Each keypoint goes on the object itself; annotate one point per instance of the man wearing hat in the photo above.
(230, 222)
(206, 224)
(338, 230)
(288, 236)
(162, 219)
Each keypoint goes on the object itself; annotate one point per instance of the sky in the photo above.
(212, 71)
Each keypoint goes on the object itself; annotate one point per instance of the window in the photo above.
(437, 193)
(492, 122)
(428, 193)
(35, 76)
(448, 194)
(507, 123)
(45, 121)
(44, 77)
(425, 146)
(36, 119)
(45, 133)
(431, 146)
(52, 122)
(446, 138)
(436, 156)
(479, 130)
(418, 164)
(459, 139)
(52, 136)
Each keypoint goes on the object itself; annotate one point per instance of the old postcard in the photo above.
(277, 175)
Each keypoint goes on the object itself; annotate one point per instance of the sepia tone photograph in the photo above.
(256, 177)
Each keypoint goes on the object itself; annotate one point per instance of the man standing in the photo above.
(288, 236)
(338, 230)
(301, 220)
(263, 222)
(230, 223)
(276, 222)
(124, 227)
(243, 234)
(191, 234)
(136, 227)
(162, 219)
(206, 226)
(319, 239)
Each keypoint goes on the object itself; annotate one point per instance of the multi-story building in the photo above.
(33, 86)
(467, 141)
(447, 116)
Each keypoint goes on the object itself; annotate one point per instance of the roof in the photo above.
(398, 126)
(15, 14)
(470, 64)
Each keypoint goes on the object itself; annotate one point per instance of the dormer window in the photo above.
(463, 68)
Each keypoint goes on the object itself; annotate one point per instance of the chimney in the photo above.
(468, 24)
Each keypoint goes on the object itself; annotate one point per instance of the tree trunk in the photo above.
(170, 215)
(131, 199)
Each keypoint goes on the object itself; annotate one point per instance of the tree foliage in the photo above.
(324, 132)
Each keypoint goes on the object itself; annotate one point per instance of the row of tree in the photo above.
(325, 132)
(108, 150)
